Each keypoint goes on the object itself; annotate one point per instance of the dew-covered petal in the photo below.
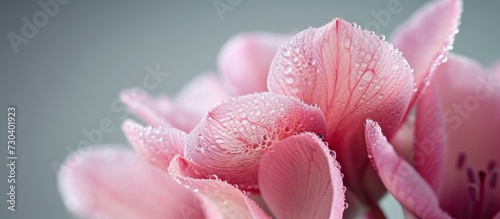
(352, 75)
(470, 100)
(113, 182)
(231, 201)
(429, 154)
(426, 38)
(301, 179)
(157, 145)
(399, 177)
(141, 104)
(232, 138)
(245, 59)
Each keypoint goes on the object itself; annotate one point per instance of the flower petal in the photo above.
(351, 75)
(470, 101)
(142, 105)
(245, 59)
(158, 145)
(231, 139)
(399, 177)
(230, 200)
(429, 155)
(115, 182)
(426, 38)
(495, 69)
(404, 139)
(193, 102)
(300, 179)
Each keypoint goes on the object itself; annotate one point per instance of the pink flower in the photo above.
(243, 62)
(245, 143)
(352, 75)
(453, 170)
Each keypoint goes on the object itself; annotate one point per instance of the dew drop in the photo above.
(285, 52)
(288, 80)
(368, 75)
(288, 69)
(347, 42)
(219, 141)
(199, 148)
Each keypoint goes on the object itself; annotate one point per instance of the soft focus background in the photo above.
(66, 78)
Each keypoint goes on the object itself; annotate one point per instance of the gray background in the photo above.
(65, 78)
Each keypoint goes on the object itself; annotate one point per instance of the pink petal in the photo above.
(230, 200)
(300, 179)
(495, 69)
(232, 138)
(115, 182)
(201, 94)
(351, 75)
(497, 216)
(426, 38)
(245, 59)
(404, 139)
(141, 104)
(430, 139)
(158, 145)
(471, 103)
(399, 177)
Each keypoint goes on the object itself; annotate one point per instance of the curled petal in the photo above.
(142, 105)
(245, 59)
(158, 145)
(232, 138)
(230, 200)
(351, 75)
(426, 38)
(301, 179)
(429, 155)
(114, 182)
(399, 177)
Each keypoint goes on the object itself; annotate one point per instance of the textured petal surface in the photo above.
(232, 138)
(230, 200)
(115, 182)
(429, 157)
(471, 103)
(158, 145)
(401, 180)
(142, 105)
(426, 38)
(245, 59)
(351, 75)
(301, 179)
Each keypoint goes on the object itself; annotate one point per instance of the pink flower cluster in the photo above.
(317, 125)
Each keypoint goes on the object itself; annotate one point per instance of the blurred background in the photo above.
(65, 77)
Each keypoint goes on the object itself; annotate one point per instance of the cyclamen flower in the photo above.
(267, 143)
(456, 153)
